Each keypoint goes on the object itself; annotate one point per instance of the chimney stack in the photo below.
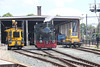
(39, 10)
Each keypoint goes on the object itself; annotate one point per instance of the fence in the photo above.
(90, 42)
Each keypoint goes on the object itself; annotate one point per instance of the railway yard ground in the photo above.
(29, 56)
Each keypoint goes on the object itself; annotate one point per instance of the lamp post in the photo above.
(83, 32)
(96, 8)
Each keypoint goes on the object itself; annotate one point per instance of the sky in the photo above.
(49, 7)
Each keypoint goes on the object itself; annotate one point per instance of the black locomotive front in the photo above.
(44, 36)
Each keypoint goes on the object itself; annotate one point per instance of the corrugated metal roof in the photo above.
(38, 17)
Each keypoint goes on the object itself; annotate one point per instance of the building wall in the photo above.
(63, 26)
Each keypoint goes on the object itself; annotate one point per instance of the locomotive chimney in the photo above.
(39, 10)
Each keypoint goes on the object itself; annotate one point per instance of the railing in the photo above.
(90, 42)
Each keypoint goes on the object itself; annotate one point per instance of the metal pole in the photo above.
(52, 22)
(86, 28)
(27, 32)
(99, 23)
(23, 28)
(95, 6)
(0, 32)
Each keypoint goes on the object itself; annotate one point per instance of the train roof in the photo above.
(13, 29)
(38, 17)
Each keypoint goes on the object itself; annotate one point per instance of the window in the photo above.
(74, 34)
(74, 27)
(15, 34)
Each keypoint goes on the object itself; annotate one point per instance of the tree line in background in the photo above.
(90, 30)
(10, 15)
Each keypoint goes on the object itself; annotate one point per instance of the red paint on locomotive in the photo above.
(49, 44)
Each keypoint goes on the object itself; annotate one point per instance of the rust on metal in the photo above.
(54, 63)
(83, 60)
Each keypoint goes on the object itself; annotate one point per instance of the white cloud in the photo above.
(69, 0)
(30, 2)
(61, 3)
(15, 7)
(65, 12)
(63, 0)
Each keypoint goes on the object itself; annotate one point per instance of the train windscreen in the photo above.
(15, 34)
(74, 34)
(47, 36)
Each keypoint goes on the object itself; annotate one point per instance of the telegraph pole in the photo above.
(96, 8)
(99, 23)
(86, 29)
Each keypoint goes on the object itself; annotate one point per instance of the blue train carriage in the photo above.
(14, 38)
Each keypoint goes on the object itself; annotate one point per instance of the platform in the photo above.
(4, 63)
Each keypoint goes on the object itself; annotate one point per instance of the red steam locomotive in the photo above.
(44, 36)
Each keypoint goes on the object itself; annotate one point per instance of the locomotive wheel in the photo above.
(9, 48)
(66, 46)
(19, 48)
(70, 46)
(74, 46)
(49, 48)
(39, 48)
(79, 45)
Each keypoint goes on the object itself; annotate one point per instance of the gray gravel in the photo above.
(30, 61)
(81, 54)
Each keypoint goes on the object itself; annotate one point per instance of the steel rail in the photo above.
(60, 59)
(75, 62)
(80, 59)
(52, 56)
(47, 53)
(54, 63)
(88, 50)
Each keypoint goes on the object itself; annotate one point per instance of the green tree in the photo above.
(97, 29)
(83, 27)
(7, 15)
(30, 15)
(57, 15)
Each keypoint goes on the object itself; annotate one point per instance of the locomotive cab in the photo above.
(14, 38)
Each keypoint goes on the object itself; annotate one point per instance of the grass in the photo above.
(96, 47)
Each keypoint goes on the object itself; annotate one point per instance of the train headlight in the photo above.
(53, 41)
(40, 41)
(10, 42)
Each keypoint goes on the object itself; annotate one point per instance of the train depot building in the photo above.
(62, 24)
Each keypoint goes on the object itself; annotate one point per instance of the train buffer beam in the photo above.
(73, 45)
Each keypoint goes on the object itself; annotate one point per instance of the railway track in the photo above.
(95, 51)
(79, 59)
(71, 61)
(66, 61)
(39, 58)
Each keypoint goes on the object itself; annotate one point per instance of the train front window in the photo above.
(74, 34)
(15, 34)
(47, 36)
